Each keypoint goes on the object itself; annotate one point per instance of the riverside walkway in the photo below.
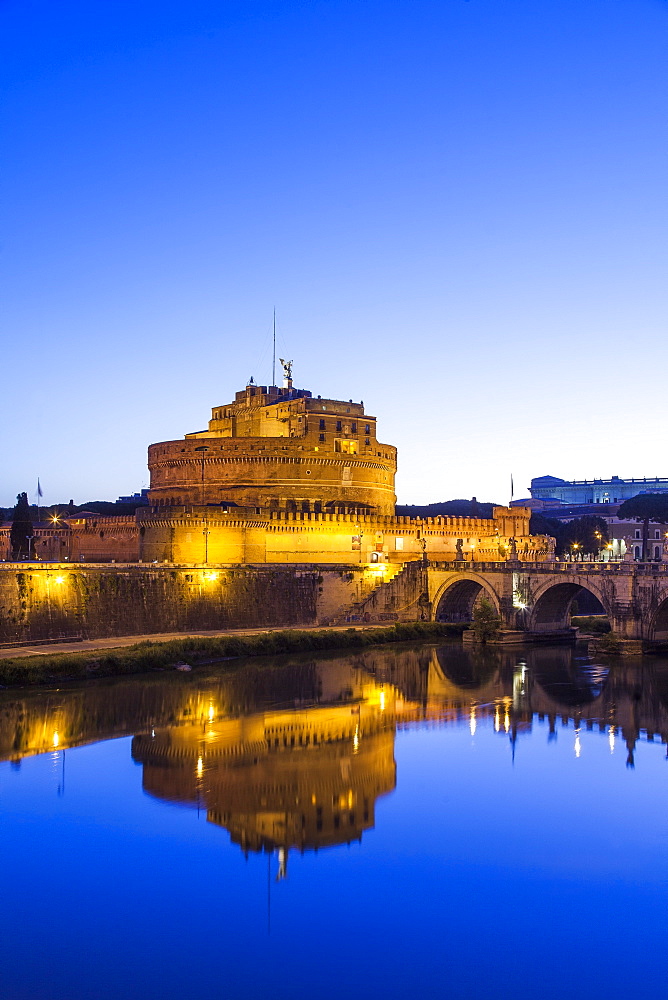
(120, 642)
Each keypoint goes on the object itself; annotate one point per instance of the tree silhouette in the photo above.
(22, 529)
(589, 533)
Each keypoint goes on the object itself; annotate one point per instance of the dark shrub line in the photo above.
(194, 650)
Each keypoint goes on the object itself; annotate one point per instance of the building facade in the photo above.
(586, 491)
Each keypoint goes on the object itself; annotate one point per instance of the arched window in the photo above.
(636, 552)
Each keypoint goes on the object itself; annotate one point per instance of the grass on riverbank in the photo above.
(194, 650)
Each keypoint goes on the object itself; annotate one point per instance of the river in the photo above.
(405, 820)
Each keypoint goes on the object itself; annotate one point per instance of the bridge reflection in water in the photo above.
(294, 754)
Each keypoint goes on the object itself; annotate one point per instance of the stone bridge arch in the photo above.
(658, 625)
(456, 596)
(551, 604)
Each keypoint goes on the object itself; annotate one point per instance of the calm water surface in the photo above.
(402, 822)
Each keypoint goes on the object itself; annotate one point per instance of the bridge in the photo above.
(533, 597)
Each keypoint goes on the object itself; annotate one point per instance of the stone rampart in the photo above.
(39, 601)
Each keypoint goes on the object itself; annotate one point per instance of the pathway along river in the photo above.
(403, 821)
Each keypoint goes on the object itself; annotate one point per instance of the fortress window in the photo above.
(353, 427)
(345, 447)
(338, 425)
(322, 425)
(367, 428)
(321, 437)
(366, 441)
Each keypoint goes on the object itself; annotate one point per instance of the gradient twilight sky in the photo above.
(457, 207)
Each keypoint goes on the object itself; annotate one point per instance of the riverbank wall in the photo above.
(66, 600)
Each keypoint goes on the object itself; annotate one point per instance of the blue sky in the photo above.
(457, 208)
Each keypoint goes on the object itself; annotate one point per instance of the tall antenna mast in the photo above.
(273, 360)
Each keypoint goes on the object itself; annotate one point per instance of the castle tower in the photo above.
(278, 447)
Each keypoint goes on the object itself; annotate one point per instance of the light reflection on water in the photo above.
(391, 814)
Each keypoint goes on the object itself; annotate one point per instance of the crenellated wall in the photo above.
(243, 535)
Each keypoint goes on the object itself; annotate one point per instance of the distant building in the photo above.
(593, 491)
(141, 499)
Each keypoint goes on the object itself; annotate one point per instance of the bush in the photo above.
(594, 624)
(145, 656)
(486, 622)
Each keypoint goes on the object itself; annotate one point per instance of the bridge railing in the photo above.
(563, 566)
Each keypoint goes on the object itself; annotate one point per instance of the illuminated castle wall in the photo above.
(278, 448)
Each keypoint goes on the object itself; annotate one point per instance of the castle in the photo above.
(281, 476)
(278, 449)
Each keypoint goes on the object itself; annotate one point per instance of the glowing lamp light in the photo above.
(212, 713)
(200, 767)
(211, 576)
(59, 579)
(611, 739)
(382, 701)
(56, 739)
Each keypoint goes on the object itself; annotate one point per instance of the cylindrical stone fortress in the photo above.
(278, 448)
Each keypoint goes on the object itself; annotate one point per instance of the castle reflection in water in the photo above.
(295, 754)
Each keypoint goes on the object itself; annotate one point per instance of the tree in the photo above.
(645, 507)
(588, 533)
(485, 622)
(22, 529)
